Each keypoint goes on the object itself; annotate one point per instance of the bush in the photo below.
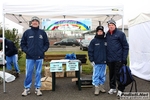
(12, 35)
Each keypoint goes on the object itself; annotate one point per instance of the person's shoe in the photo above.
(38, 92)
(17, 75)
(112, 91)
(101, 88)
(119, 94)
(26, 92)
(96, 90)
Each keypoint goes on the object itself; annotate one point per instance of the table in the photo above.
(65, 61)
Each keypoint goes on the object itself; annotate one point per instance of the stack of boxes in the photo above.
(47, 73)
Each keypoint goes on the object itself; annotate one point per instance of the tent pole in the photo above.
(99, 23)
(123, 21)
(4, 88)
(107, 16)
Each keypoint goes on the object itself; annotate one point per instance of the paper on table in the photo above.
(65, 61)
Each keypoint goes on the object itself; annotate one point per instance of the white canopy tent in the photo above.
(21, 13)
(139, 46)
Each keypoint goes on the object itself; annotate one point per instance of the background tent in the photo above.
(139, 46)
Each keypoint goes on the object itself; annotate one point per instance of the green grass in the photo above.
(21, 63)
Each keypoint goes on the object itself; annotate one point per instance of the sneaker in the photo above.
(119, 94)
(101, 88)
(38, 92)
(96, 90)
(26, 92)
(17, 75)
(112, 91)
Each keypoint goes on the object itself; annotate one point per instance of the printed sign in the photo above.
(72, 66)
(66, 24)
(56, 67)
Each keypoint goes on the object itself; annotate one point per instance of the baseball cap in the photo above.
(99, 28)
(111, 21)
(35, 18)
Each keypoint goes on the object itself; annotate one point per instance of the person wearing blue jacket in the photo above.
(117, 52)
(97, 57)
(11, 53)
(34, 43)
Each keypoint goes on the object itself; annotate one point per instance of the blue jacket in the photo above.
(10, 48)
(97, 51)
(34, 43)
(117, 46)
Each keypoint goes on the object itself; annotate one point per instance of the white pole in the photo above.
(123, 20)
(3, 15)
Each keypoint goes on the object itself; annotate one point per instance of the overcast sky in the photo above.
(131, 7)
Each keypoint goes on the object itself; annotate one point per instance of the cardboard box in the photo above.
(46, 83)
(74, 79)
(47, 72)
(59, 74)
(70, 74)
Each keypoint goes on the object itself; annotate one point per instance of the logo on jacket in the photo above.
(31, 36)
(6, 46)
(40, 36)
(105, 43)
(97, 44)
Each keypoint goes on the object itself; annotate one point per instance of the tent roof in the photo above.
(22, 13)
(139, 19)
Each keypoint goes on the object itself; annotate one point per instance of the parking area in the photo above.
(65, 90)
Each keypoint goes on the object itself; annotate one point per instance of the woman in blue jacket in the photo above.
(97, 57)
